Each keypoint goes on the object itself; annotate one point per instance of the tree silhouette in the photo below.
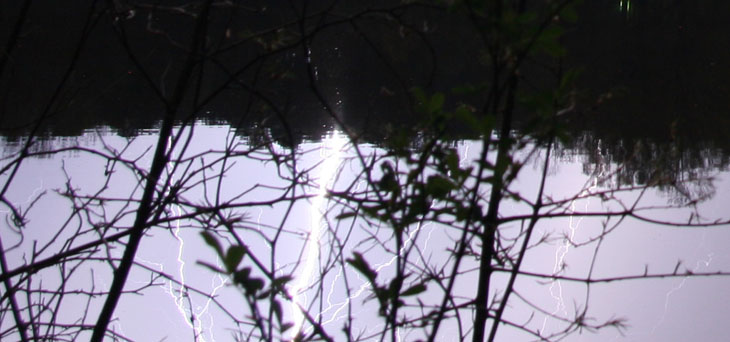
(488, 71)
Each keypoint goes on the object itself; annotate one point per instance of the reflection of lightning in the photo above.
(279, 271)
(115, 323)
(464, 159)
(33, 195)
(117, 327)
(331, 162)
(562, 251)
(337, 308)
(625, 5)
(556, 287)
(332, 291)
(403, 248)
(192, 316)
(258, 227)
(425, 243)
(258, 219)
(180, 295)
(677, 287)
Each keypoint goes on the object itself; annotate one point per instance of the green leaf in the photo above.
(212, 267)
(249, 284)
(461, 212)
(264, 294)
(549, 41)
(372, 211)
(388, 182)
(382, 295)
(276, 307)
(286, 326)
(464, 114)
(527, 18)
(253, 285)
(362, 266)
(414, 290)
(418, 206)
(210, 240)
(438, 186)
(436, 103)
(395, 286)
(452, 161)
(241, 277)
(569, 79)
(569, 14)
(467, 89)
(233, 257)
(278, 283)
(419, 94)
(345, 215)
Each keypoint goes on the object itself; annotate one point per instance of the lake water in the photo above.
(678, 308)
(651, 105)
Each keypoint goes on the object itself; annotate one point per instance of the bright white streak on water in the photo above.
(331, 156)
(339, 307)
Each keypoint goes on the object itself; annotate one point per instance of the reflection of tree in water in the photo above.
(625, 7)
(684, 172)
(668, 121)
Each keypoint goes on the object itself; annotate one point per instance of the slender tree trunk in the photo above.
(160, 159)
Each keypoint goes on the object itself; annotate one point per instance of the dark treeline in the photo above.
(664, 63)
(653, 72)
